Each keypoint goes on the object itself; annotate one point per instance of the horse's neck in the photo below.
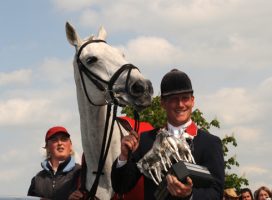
(92, 118)
(92, 122)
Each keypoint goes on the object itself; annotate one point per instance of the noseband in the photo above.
(97, 80)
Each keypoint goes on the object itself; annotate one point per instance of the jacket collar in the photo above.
(64, 166)
(189, 129)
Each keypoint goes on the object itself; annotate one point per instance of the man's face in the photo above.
(59, 146)
(178, 108)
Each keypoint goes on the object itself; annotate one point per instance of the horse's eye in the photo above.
(91, 60)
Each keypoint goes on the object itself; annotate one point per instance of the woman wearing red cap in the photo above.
(58, 179)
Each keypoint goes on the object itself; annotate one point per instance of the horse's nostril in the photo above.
(137, 88)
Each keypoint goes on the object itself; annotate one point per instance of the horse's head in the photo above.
(105, 75)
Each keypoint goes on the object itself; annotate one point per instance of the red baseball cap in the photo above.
(54, 130)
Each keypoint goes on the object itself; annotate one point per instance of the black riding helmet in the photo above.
(175, 82)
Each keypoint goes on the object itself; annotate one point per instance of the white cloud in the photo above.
(21, 111)
(55, 70)
(10, 175)
(259, 174)
(224, 45)
(235, 105)
(232, 44)
(46, 99)
(155, 12)
(89, 18)
(266, 85)
(255, 174)
(254, 169)
(71, 5)
(10, 155)
(18, 77)
(246, 134)
(153, 51)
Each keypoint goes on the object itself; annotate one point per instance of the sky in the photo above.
(223, 45)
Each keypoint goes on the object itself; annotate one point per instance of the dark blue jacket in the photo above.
(56, 186)
(207, 151)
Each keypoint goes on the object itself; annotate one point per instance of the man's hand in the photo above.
(76, 195)
(129, 143)
(177, 188)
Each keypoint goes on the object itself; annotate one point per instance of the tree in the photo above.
(156, 116)
(232, 180)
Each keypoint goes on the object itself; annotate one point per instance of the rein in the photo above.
(99, 83)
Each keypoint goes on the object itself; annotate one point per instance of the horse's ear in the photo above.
(102, 34)
(72, 35)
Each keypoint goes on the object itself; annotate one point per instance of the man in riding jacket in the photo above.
(60, 174)
(177, 100)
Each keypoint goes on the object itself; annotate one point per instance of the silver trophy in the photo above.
(167, 150)
(171, 154)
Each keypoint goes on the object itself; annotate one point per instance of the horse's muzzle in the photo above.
(141, 89)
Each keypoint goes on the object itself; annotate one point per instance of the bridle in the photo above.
(100, 84)
(98, 81)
